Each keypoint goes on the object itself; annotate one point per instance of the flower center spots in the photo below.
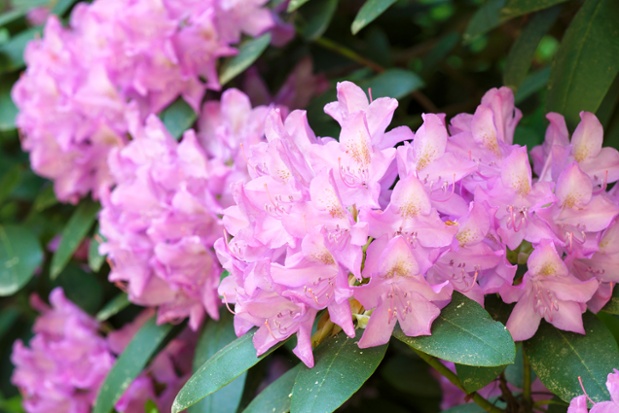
(409, 209)
(547, 269)
(359, 150)
(401, 268)
(545, 302)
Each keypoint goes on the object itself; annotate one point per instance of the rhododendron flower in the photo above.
(397, 291)
(68, 359)
(66, 362)
(81, 80)
(548, 291)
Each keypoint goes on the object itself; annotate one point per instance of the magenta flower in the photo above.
(160, 223)
(548, 291)
(397, 292)
(66, 362)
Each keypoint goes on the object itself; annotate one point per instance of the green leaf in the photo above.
(12, 52)
(341, 369)
(369, 12)
(612, 306)
(521, 54)
(8, 110)
(113, 307)
(81, 287)
(474, 378)
(396, 371)
(78, 226)
(515, 8)
(464, 333)
(395, 83)
(320, 13)
(559, 358)
(485, 19)
(276, 397)
(587, 61)
(95, 260)
(8, 317)
(533, 83)
(249, 51)
(178, 117)
(295, 4)
(62, 6)
(216, 336)
(219, 370)
(131, 363)
(465, 408)
(20, 256)
(45, 199)
(9, 181)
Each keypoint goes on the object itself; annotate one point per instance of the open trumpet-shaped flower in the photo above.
(397, 292)
(550, 292)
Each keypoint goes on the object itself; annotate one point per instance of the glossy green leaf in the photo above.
(178, 117)
(226, 365)
(341, 369)
(612, 306)
(521, 54)
(560, 357)
(395, 83)
(318, 16)
(587, 61)
(485, 19)
(95, 260)
(113, 307)
(369, 12)
(276, 397)
(515, 8)
(78, 226)
(214, 337)
(12, 52)
(20, 256)
(295, 4)
(464, 333)
(131, 362)
(474, 378)
(249, 51)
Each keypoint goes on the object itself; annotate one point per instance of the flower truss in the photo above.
(118, 57)
(379, 235)
(65, 363)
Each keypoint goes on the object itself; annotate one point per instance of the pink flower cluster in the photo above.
(119, 56)
(67, 361)
(579, 403)
(322, 222)
(161, 220)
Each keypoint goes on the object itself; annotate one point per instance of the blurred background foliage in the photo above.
(436, 56)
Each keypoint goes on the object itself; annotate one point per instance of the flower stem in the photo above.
(453, 378)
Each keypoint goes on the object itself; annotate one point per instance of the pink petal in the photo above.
(588, 137)
(574, 188)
